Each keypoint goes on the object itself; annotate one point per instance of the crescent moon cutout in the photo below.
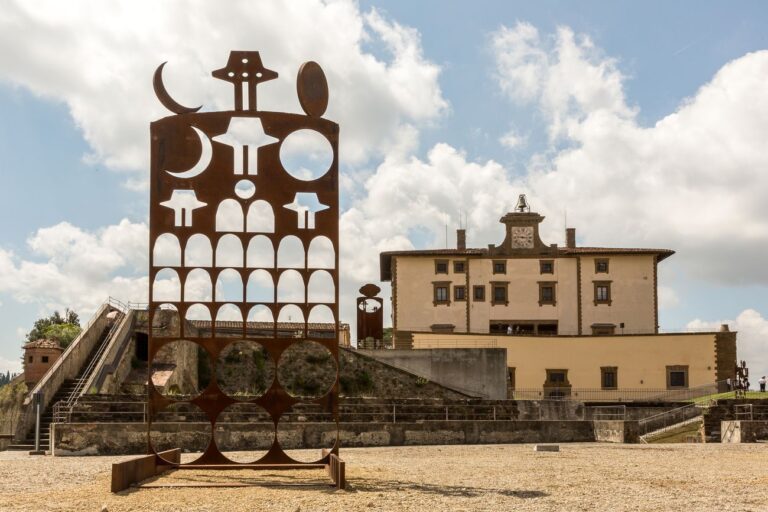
(206, 154)
(165, 98)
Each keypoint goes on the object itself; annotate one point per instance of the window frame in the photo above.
(548, 284)
(549, 383)
(605, 370)
(551, 264)
(441, 284)
(441, 262)
(678, 369)
(494, 286)
(44, 359)
(600, 284)
(463, 269)
(503, 263)
(456, 289)
(475, 288)
(600, 261)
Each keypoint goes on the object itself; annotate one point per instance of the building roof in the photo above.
(385, 258)
(43, 343)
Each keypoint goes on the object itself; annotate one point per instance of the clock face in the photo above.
(522, 237)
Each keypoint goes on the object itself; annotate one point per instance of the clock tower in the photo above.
(522, 232)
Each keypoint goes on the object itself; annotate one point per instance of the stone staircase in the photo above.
(65, 392)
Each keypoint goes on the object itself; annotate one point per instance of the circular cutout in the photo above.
(306, 154)
(244, 189)
(245, 370)
(181, 425)
(306, 370)
(294, 441)
(244, 432)
(181, 370)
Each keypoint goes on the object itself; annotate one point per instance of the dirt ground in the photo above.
(687, 477)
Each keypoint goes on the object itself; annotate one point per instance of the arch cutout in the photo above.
(167, 251)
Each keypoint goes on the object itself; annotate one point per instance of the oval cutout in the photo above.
(306, 154)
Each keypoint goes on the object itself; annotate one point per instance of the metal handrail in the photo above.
(80, 384)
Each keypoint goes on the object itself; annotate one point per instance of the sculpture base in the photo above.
(132, 472)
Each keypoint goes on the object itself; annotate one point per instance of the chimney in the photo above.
(461, 239)
(570, 237)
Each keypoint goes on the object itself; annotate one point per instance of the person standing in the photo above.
(762, 384)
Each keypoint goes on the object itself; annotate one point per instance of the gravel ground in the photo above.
(424, 478)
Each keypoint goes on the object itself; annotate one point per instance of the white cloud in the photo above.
(78, 269)
(513, 140)
(10, 365)
(668, 298)
(751, 340)
(694, 182)
(99, 58)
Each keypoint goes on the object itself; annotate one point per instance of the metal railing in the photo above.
(609, 412)
(80, 383)
(615, 395)
(104, 411)
(456, 343)
(657, 424)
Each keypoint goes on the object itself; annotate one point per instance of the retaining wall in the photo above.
(744, 431)
(131, 438)
(480, 372)
(615, 431)
(66, 367)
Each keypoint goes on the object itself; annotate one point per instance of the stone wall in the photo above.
(66, 367)
(738, 431)
(480, 372)
(131, 438)
(614, 431)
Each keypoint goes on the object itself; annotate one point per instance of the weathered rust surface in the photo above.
(129, 472)
(370, 315)
(222, 176)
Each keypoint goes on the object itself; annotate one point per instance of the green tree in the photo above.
(62, 329)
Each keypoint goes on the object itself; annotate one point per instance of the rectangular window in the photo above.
(30, 359)
(603, 329)
(602, 292)
(459, 293)
(601, 266)
(677, 377)
(500, 294)
(609, 377)
(45, 359)
(441, 292)
(500, 267)
(546, 267)
(441, 266)
(478, 292)
(557, 378)
(546, 293)
(547, 330)
(458, 267)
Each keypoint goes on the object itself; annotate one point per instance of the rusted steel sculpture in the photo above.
(370, 317)
(234, 220)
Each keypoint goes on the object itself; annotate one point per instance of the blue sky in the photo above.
(425, 92)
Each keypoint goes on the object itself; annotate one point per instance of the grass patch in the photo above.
(750, 395)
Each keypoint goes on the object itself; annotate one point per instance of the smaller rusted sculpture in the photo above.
(370, 318)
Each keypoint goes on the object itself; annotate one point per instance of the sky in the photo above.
(641, 124)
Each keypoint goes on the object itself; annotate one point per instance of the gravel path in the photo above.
(424, 478)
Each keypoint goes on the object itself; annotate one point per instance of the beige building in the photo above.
(563, 313)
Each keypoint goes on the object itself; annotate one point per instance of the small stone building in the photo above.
(39, 356)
